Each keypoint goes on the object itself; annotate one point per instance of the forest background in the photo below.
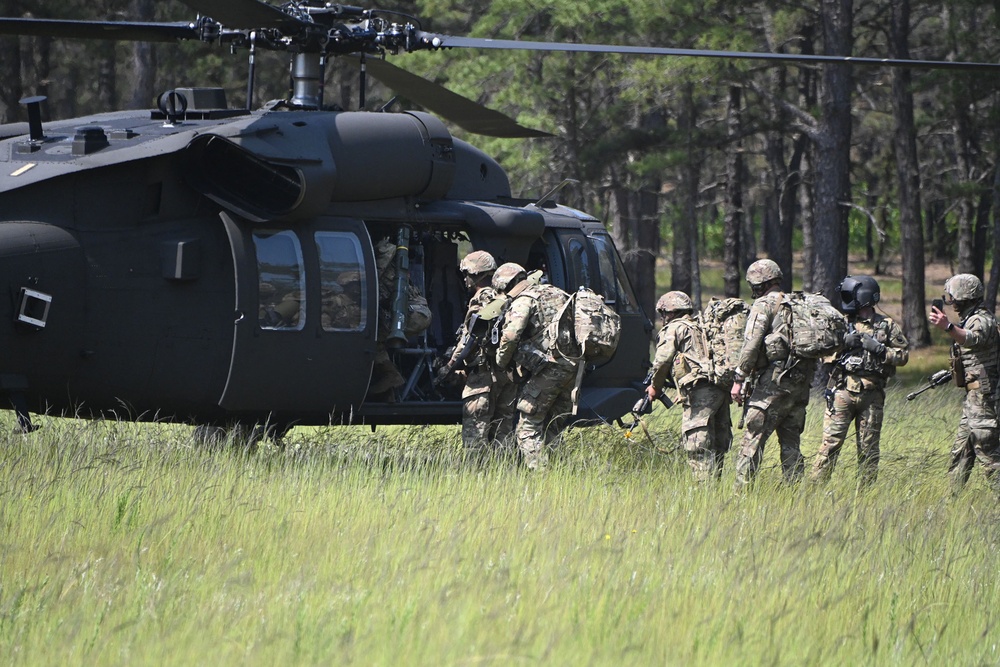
(686, 159)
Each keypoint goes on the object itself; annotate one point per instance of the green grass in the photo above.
(129, 544)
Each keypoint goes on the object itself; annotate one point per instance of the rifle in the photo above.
(469, 342)
(941, 377)
(749, 383)
(644, 405)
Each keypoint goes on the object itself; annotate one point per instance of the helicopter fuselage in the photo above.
(219, 266)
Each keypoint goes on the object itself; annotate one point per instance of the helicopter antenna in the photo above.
(252, 71)
(554, 191)
(322, 78)
(364, 82)
(34, 105)
(387, 105)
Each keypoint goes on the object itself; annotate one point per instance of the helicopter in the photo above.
(204, 264)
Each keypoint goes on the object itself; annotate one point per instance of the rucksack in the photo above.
(724, 322)
(817, 328)
(594, 328)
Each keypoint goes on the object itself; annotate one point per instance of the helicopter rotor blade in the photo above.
(465, 113)
(113, 30)
(245, 14)
(433, 41)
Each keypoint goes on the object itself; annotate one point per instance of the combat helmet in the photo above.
(673, 302)
(477, 263)
(762, 272)
(857, 292)
(964, 287)
(508, 275)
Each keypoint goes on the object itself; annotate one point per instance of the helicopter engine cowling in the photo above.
(291, 165)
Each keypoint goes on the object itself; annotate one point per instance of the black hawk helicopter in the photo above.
(203, 264)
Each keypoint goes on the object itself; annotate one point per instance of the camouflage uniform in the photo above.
(489, 394)
(705, 424)
(544, 399)
(977, 436)
(779, 399)
(856, 394)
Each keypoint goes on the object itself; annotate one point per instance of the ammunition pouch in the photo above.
(776, 347)
(957, 366)
(531, 358)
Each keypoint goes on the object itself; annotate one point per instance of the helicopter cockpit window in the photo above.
(614, 281)
(282, 290)
(342, 272)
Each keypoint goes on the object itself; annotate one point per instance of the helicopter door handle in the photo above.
(240, 316)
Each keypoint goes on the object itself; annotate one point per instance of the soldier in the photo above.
(682, 354)
(529, 341)
(342, 302)
(487, 388)
(974, 366)
(873, 348)
(780, 380)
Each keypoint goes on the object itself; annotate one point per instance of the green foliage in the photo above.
(130, 544)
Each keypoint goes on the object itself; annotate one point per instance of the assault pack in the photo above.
(817, 328)
(724, 323)
(593, 328)
(586, 330)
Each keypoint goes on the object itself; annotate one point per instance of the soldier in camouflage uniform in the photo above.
(781, 389)
(873, 348)
(682, 354)
(975, 366)
(544, 400)
(486, 386)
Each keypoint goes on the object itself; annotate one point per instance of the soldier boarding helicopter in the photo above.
(209, 265)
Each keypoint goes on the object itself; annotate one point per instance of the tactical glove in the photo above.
(872, 345)
(852, 340)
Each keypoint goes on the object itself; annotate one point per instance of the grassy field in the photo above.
(129, 544)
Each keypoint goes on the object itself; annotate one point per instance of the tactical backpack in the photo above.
(817, 328)
(594, 328)
(724, 322)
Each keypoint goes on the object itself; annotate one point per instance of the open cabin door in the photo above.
(306, 313)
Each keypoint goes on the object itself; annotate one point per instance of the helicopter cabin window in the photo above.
(281, 283)
(345, 300)
(579, 261)
(615, 284)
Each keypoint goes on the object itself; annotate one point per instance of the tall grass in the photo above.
(130, 544)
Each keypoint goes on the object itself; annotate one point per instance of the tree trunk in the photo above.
(807, 203)
(635, 227)
(107, 93)
(143, 60)
(731, 277)
(963, 165)
(684, 225)
(908, 174)
(994, 282)
(10, 69)
(981, 233)
(833, 160)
